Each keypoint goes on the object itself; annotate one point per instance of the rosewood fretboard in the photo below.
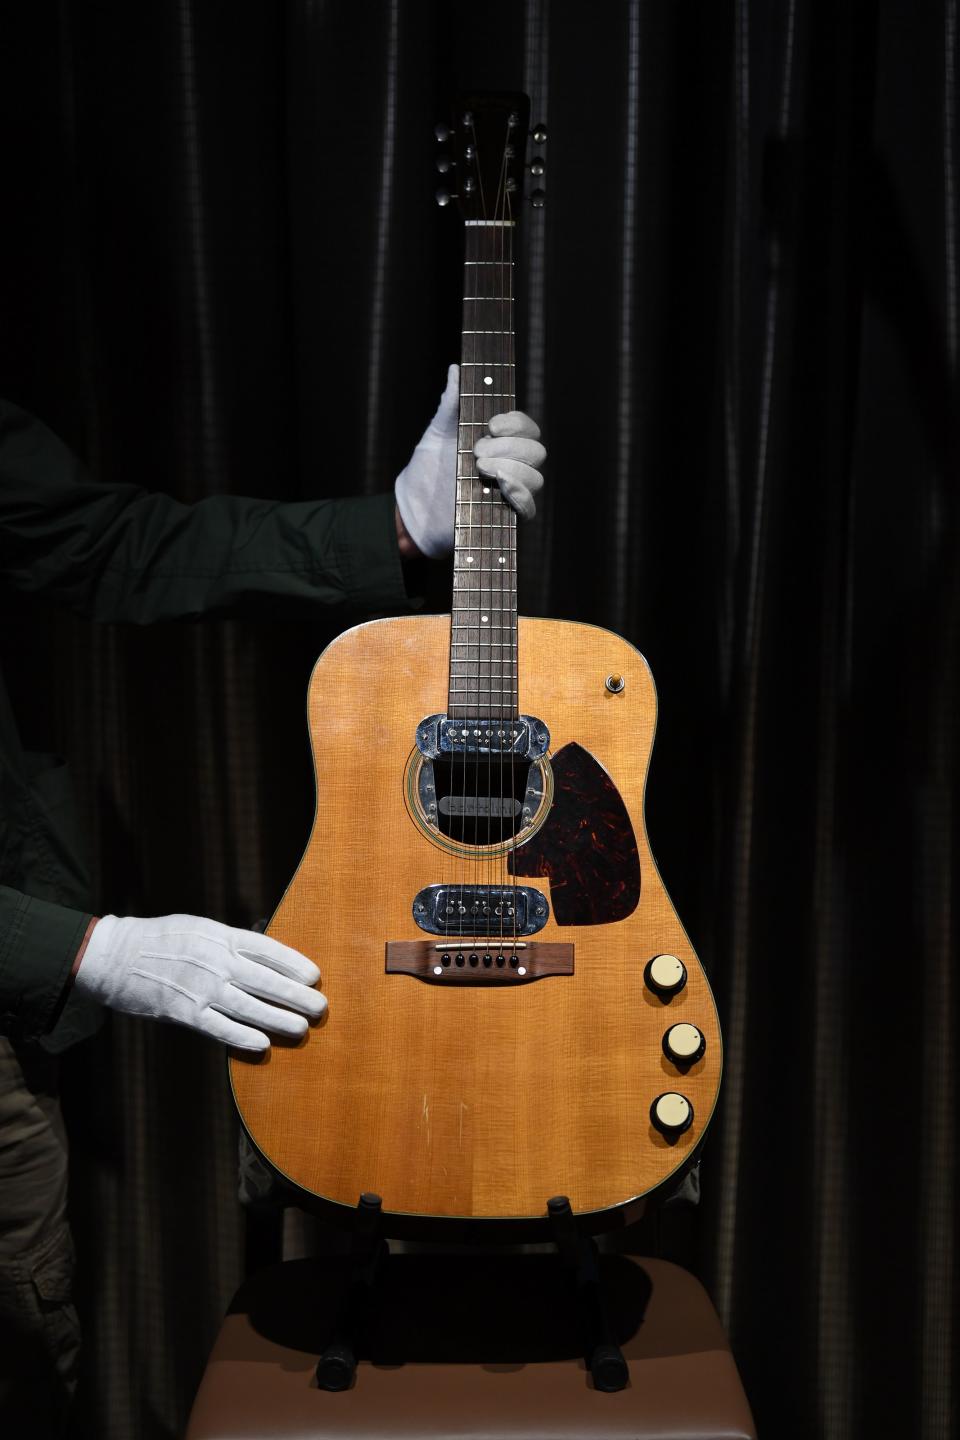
(483, 648)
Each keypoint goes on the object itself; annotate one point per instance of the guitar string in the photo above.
(459, 669)
(465, 595)
(500, 260)
(514, 597)
(456, 668)
(484, 283)
(490, 596)
(504, 726)
(475, 858)
(509, 694)
(503, 715)
(496, 746)
(470, 288)
(487, 538)
(481, 411)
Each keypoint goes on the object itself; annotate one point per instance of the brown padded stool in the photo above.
(472, 1347)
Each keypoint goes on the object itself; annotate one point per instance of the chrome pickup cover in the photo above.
(510, 911)
(522, 735)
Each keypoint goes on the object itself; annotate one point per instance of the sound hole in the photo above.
(478, 802)
(481, 800)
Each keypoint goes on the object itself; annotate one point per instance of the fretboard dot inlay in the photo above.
(488, 379)
(484, 618)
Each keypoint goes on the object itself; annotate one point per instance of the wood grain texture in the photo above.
(467, 1102)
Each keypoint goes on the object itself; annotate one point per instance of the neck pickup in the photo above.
(521, 737)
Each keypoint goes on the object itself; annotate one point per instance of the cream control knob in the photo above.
(684, 1044)
(665, 975)
(671, 1114)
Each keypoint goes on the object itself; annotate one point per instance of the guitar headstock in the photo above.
(484, 157)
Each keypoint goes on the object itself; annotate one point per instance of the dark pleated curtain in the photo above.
(223, 272)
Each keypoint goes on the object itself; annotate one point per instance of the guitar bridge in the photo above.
(477, 961)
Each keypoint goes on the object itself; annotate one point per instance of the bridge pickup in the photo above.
(503, 911)
(521, 736)
(477, 962)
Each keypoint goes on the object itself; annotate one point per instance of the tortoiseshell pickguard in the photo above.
(587, 847)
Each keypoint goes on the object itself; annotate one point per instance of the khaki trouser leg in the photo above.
(39, 1334)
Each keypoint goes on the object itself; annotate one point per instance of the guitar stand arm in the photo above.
(578, 1253)
(337, 1366)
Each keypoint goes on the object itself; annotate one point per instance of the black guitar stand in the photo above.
(579, 1255)
(337, 1366)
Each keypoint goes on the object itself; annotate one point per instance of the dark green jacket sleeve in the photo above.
(39, 942)
(118, 552)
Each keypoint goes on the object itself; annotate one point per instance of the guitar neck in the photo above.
(483, 649)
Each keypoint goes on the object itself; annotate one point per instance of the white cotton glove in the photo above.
(229, 984)
(426, 489)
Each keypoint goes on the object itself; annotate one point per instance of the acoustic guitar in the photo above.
(515, 1011)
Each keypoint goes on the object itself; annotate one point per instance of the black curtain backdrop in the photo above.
(222, 270)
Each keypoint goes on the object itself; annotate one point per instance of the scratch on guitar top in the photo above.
(426, 1117)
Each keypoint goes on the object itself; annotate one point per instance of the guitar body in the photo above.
(477, 1095)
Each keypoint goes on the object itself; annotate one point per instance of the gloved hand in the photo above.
(426, 489)
(223, 982)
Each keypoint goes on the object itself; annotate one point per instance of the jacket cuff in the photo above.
(38, 947)
(365, 540)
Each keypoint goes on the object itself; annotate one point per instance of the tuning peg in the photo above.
(539, 133)
(443, 197)
(537, 165)
(537, 199)
(469, 185)
(442, 132)
(444, 163)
